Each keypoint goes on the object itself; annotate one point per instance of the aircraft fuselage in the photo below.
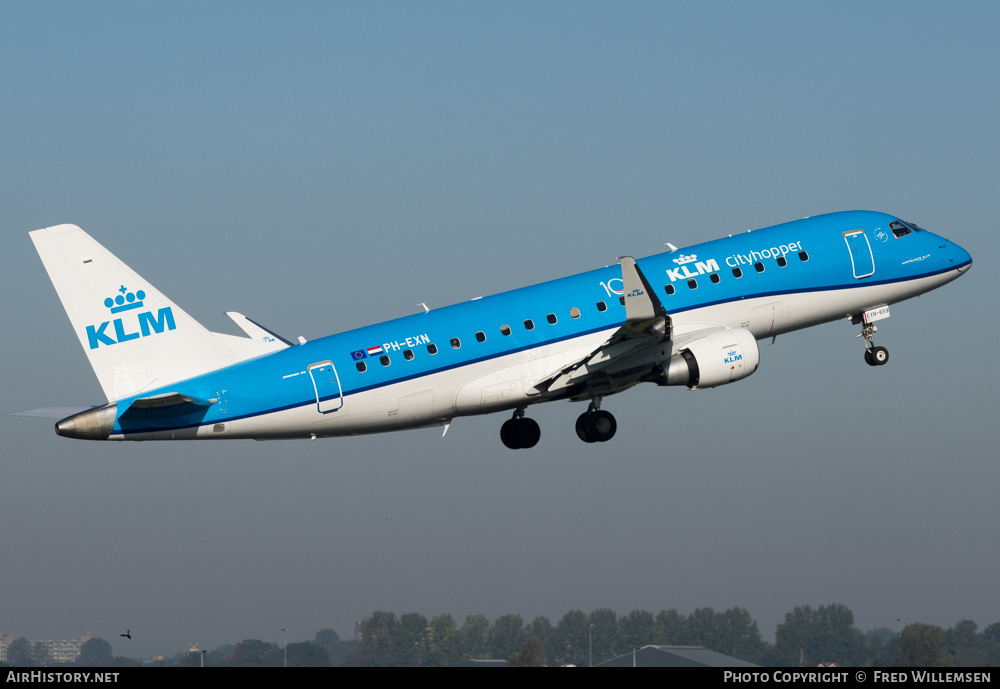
(567, 338)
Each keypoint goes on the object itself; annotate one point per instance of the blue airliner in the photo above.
(689, 317)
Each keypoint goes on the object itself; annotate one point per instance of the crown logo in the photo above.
(125, 300)
(686, 259)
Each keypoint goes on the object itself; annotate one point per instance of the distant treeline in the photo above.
(807, 638)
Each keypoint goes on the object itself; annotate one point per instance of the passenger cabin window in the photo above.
(432, 348)
(384, 359)
(408, 354)
(782, 262)
(737, 273)
(480, 336)
(759, 267)
(693, 284)
(602, 307)
(529, 324)
(455, 343)
(574, 312)
(551, 318)
(669, 289)
(362, 366)
(803, 256)
(714, 277)
(505, 330)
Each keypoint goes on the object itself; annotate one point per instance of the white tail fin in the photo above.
(135, 338)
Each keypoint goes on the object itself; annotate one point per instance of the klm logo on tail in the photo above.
(148, 324)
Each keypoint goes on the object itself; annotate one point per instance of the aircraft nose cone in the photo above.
(962, 258)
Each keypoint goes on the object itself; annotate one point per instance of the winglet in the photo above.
(641, 302)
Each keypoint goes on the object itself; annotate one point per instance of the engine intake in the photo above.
(721, 358)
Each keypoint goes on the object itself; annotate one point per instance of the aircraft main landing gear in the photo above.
(519, 432)
(596, 425)
(874, 356)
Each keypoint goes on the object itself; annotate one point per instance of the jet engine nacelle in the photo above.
(720, 358)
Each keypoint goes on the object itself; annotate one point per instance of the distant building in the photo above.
(47, 652)
(65, 651)
(674, 656)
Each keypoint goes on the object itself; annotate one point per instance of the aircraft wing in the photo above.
(628, 354)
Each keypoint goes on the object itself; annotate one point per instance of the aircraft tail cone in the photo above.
(93, 424)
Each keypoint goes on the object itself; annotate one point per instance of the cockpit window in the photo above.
(903, 225)
(899, 228)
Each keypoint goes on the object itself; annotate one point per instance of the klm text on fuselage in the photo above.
(690, 267)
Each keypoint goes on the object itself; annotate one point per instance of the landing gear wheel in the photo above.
(528, 433)
(601, 426)
(520, 434)
(874, 356)
(880, 355)
(581, 427)
(596, 426)
(508, 435)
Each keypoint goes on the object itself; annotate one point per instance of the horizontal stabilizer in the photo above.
(171, 399)
(260, 341)
(160, 411)
(257, 331)
(55, 412)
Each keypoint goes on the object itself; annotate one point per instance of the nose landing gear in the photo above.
(874, 356)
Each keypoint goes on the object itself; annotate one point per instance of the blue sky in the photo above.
(321, 166)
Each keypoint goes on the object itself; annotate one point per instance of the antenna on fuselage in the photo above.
(426, 310)
(672, 247)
